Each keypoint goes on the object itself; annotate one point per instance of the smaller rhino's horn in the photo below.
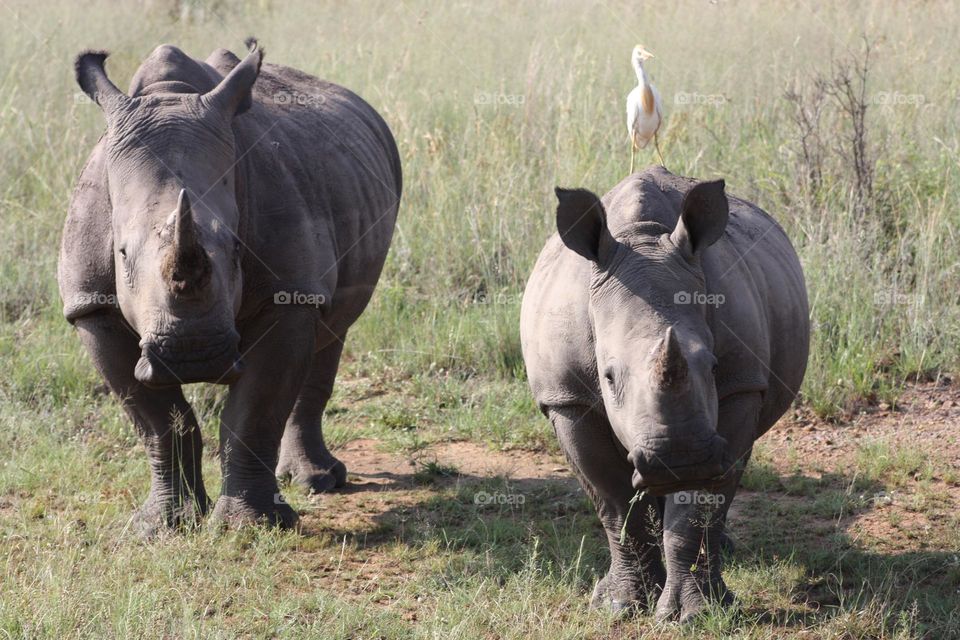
(671, 364)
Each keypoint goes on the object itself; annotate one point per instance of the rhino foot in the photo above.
(322, 476)
(163, 512)
(682, 599)
(622, 597)
(245, 510)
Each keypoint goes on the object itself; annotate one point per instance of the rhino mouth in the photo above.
(658, 490)
(705, 468)
(175, 360)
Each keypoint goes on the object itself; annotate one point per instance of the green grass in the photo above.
(492, 104)
(892, 463)
(462, 569)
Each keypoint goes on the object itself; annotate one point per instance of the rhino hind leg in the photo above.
(636, 573)
(165, 421)
(694, 537)
(304, 457)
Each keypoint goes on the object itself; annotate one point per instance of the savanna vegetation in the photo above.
(840, 119)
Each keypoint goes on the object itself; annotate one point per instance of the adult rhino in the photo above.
(664, 329)
(229, 227)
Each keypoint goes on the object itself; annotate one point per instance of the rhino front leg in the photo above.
(164, 420)
(278, 353)
(304, 457)
(694, 522)
(636, 573)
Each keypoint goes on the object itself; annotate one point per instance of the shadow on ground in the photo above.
(805, 529)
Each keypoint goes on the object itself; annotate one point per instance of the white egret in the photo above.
(644, 110)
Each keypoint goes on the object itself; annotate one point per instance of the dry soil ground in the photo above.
(881, 487)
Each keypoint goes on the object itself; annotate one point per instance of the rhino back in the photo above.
(323, 183)
(764, 321)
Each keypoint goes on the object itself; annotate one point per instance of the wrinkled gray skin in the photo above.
(646, 392)
(217, 185)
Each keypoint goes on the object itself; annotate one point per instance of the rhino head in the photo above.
(655, 362)
(170, 159)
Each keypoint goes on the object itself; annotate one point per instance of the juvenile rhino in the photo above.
(664, 329)
(229, 227)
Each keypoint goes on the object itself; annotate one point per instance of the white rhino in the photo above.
(664, 329)
(229, 227)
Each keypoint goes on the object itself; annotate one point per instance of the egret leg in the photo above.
(656, 145)
(633, 154)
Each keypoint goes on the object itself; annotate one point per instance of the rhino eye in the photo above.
(613, 386)
(123, 253)
(714, 370)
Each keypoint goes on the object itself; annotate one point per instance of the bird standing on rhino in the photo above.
(664, 329)
(229, 227)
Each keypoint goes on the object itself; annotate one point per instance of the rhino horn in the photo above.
(92, 78)
(187, 266)
(184, 229)
(671, 366)
(232, 95)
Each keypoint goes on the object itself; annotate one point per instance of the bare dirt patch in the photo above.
(893, 471)
(380, 482)
(388, 491)
(926, 416)
(377, 529)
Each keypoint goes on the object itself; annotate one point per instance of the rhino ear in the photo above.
(233, 95)
(582, 223)
(703, 218)
(92, 78)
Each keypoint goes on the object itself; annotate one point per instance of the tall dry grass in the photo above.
(495, 103)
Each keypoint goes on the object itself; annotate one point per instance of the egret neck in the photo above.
(646, 93)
